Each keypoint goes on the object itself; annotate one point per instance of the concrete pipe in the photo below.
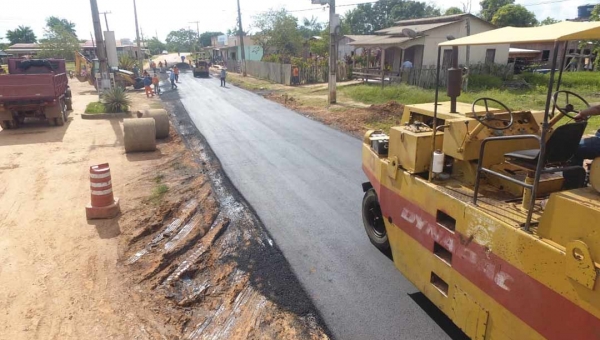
(162, 121)
(139, 134)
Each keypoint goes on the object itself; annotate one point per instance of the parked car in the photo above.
(165, 52)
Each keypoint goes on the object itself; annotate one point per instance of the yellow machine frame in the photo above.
(501, 260)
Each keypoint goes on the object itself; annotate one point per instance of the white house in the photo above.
(417, 40)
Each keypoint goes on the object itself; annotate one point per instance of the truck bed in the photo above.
(27, 87)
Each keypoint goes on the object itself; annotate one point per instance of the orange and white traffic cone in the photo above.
(103, 204)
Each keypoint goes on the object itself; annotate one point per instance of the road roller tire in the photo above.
(373, 221)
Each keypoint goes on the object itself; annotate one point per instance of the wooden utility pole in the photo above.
(241, 34)
(100, 49)
(137, 35)
(197, 31)
(105, 19)
(332, 54)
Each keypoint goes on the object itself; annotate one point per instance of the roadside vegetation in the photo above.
(95, 107)
(586, 84)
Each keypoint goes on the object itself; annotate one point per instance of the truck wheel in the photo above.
(373, 221)
(5, 125)
(69, 103)
(60, 120)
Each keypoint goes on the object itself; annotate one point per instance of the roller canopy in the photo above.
(562, 31)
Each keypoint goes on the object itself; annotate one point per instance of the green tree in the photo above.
(59, 43)
(514, 15)
(205, 38)
(182, 40)
(548, 21)
(155, 46)
(490, 7)
(54, 22)
(453, 10)
(310, 27)
(21, 34)
(278, 30)
(368, 18)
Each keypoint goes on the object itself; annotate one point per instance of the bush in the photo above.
(126, 62)
(535, 79)
(484, 81)
(570, 80)
(95, 107)
(116, 100)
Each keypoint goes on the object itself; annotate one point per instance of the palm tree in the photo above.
(22, 34)
(69, 26)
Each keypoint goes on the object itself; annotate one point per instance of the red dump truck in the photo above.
(34, 88)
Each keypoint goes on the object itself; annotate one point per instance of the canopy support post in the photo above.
(435, 111)
(545, 126)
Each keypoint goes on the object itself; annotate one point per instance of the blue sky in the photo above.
(159, 17)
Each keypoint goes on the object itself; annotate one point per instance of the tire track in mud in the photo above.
(210, 255)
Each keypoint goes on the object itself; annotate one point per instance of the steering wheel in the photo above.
(569, 108)
(490, 117)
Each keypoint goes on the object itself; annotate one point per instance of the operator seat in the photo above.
(560, 148)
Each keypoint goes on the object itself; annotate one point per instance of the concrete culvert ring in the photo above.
(161, 117)
(139, 134)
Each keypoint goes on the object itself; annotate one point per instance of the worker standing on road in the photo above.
(172, 78)
(176, 71)
(155, 82)
(223, 76)
(183, 59)
(166, 66)
(147, 84)
(160, 66)
(153, 66)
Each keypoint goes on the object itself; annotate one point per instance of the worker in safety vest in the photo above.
(176, 71)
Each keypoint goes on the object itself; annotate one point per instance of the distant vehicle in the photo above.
(165, 52)
(34, 88)
(201, 69)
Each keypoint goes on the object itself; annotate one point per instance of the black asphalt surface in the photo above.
(303, 179)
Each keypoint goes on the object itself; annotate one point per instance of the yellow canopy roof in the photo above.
(562, 31)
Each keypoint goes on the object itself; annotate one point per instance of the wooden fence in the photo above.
(282, 73)
(425, 77)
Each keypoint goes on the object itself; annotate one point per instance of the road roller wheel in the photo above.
(373, 221)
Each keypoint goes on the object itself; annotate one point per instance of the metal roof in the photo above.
(397, 30)
(443, 18)
(379, 40)
(562, 31)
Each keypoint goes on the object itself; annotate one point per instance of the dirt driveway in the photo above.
(58, 271)
(171, 266)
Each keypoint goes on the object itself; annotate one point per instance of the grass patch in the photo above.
(533, 99)
(158, 193)
(95, 108)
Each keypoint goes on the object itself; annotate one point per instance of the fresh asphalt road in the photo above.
(304, 179)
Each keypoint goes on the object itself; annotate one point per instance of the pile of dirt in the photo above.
(391, 108)
(202, 262)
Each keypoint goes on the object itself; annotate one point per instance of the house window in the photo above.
(545, 55)
(490, 55)
(447, 60)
